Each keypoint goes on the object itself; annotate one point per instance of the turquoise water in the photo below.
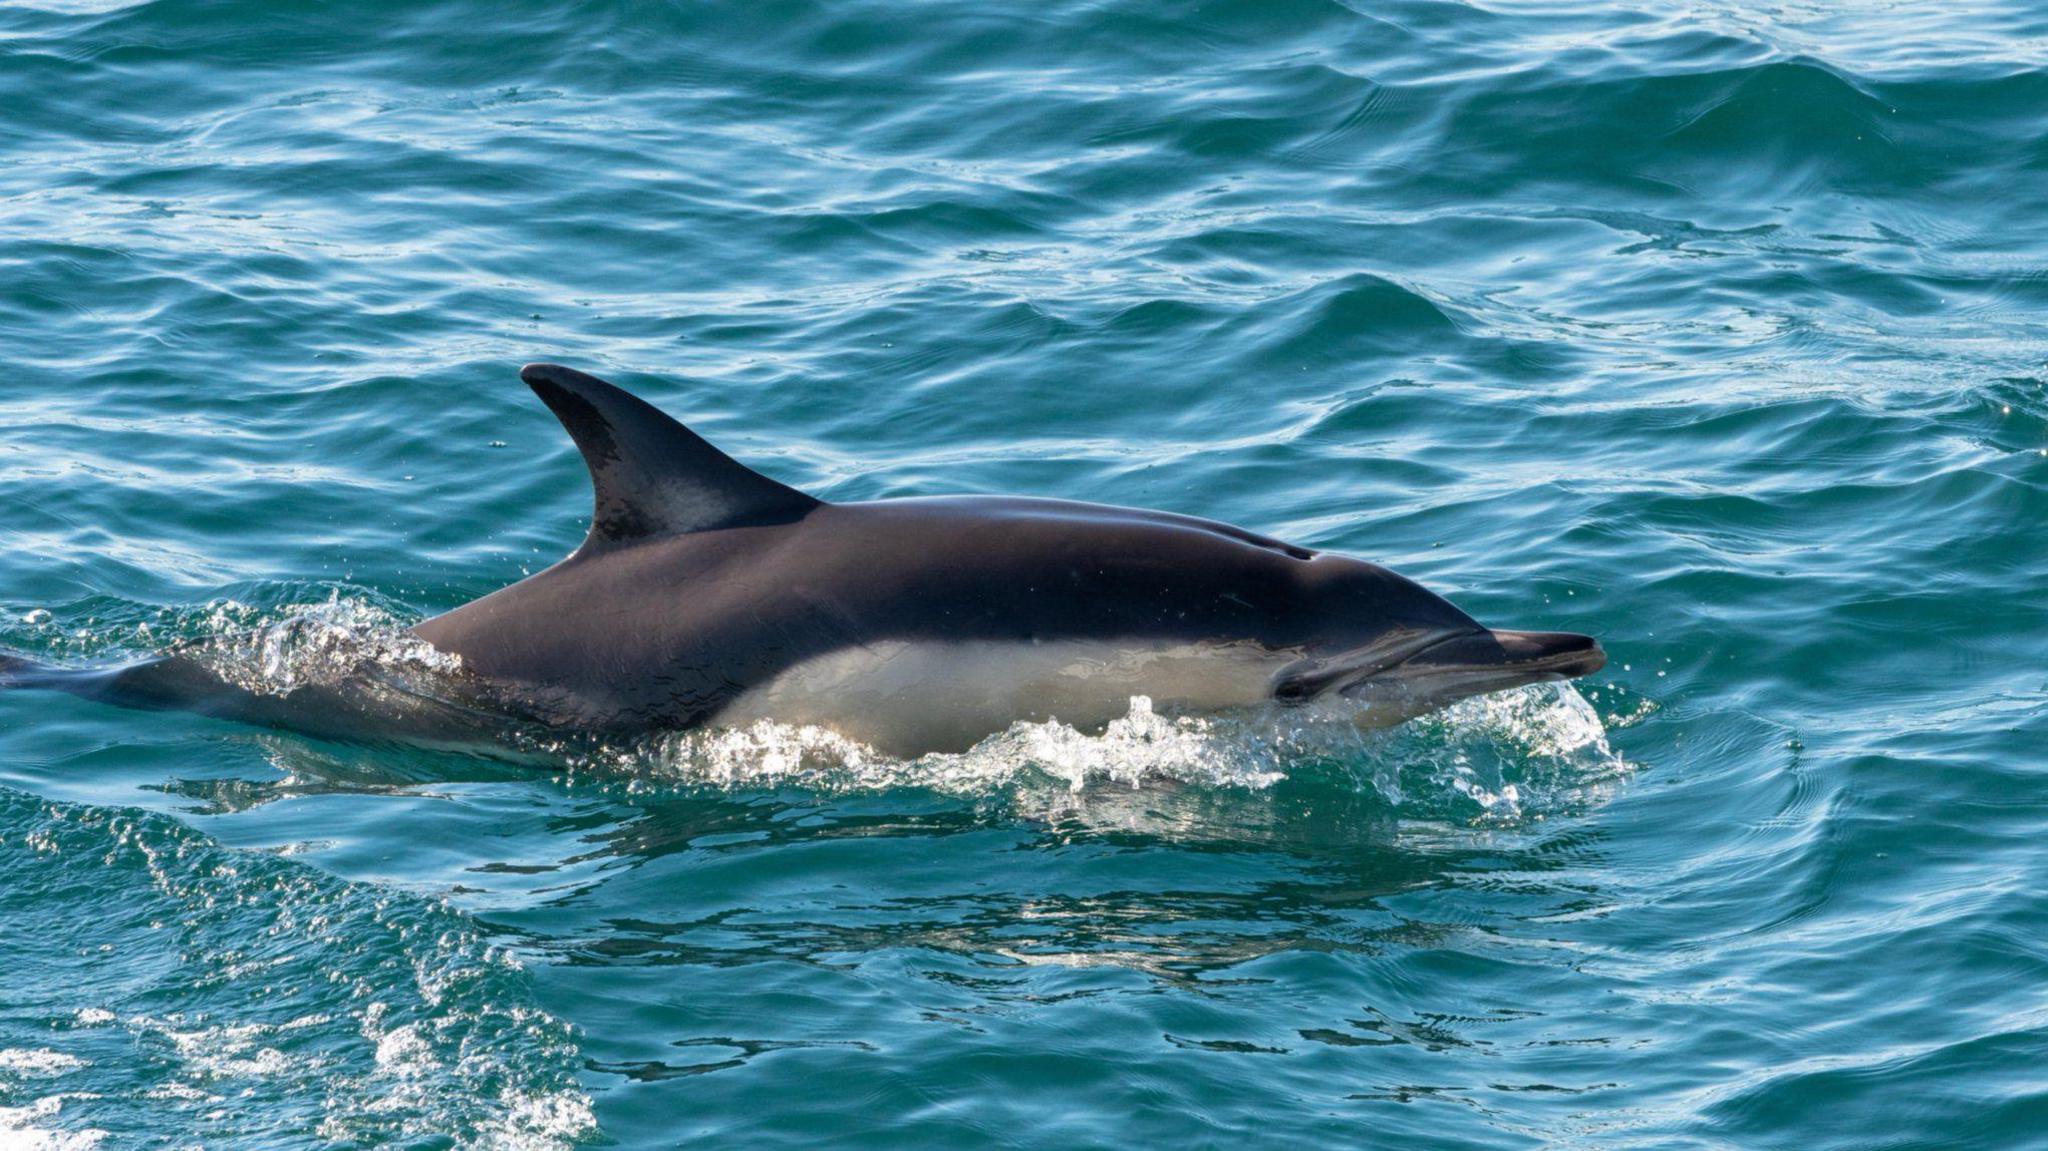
(1716, 330)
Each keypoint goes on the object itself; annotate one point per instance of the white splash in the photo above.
(37, 1061)
(19, 1129)
(1139, 747)
(26, 1128)
(1532, 748)
(273, 652)
(1511, 755)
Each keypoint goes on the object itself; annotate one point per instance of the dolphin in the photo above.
(707, 594)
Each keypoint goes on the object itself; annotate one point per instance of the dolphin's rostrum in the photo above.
(708, 594)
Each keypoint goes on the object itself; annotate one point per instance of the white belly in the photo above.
(910, 698)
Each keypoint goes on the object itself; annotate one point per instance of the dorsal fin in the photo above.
(653, 476)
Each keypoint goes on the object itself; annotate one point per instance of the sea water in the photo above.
(1713, 329)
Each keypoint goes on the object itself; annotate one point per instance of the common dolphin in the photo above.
(707, 594)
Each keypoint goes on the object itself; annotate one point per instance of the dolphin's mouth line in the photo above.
(1314, 677)
(1567, 664)
(1411, 657)
(1464, 662)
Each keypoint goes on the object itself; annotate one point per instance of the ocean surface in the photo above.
(1716, 329)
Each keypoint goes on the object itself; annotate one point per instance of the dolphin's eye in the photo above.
(1293, 690)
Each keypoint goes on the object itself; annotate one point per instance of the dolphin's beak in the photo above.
(1485, 660)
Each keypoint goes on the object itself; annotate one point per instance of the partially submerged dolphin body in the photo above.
(708, 594)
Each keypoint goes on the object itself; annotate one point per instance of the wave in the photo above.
(198, 992)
